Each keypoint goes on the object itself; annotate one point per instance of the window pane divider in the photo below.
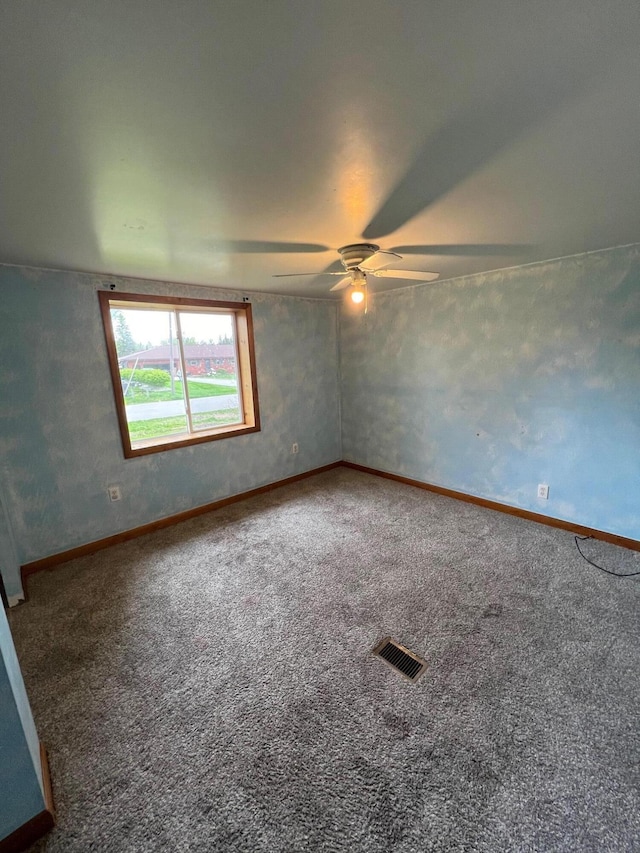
(183, 370)
(238, 368)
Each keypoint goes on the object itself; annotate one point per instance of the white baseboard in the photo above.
(15, 599)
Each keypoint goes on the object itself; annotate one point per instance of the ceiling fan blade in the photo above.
(291, 274)
(379, 260)
(265, 247)
(342, 284)
(414, 275)
(467, 249)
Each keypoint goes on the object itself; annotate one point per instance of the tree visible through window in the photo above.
(183, 370)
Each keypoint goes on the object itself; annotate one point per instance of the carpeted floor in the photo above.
(210, 687)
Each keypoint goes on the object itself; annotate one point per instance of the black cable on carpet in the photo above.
(602, 569)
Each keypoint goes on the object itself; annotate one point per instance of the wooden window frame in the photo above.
(246, 369)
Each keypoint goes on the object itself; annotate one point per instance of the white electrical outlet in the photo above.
(543, 491)
(114, 493)
(294, 447)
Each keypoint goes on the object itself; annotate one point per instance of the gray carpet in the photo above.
(209, 687)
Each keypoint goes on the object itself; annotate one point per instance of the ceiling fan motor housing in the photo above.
(356, 254)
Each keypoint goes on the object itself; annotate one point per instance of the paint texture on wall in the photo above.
(494, 383)
(489, 385)
(59, 437)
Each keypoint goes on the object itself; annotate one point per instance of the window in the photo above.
(183, 370)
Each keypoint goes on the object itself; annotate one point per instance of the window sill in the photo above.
(157, 445)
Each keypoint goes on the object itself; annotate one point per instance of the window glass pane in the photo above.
(183, 370)
(210, 355)
(149, 362)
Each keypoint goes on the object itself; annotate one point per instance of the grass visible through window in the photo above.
(137, 394)
(141, 430)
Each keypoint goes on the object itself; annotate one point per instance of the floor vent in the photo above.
(401, 659)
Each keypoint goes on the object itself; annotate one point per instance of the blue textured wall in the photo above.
(59, 437)
(21, 795)
(494, 383)
(489, 384)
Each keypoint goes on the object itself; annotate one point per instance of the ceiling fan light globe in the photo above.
(357, 296)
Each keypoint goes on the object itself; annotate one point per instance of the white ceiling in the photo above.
(196, 141)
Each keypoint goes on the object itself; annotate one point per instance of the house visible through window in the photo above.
(183, 370)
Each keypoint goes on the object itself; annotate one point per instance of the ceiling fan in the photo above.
(470, 139)
(362, 259)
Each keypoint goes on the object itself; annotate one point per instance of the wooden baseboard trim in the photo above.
(580, 529)
(24, 836)
(91, 547)
(46, 782)
(99, 544)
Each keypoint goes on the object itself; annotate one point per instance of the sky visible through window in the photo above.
(153, 326)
